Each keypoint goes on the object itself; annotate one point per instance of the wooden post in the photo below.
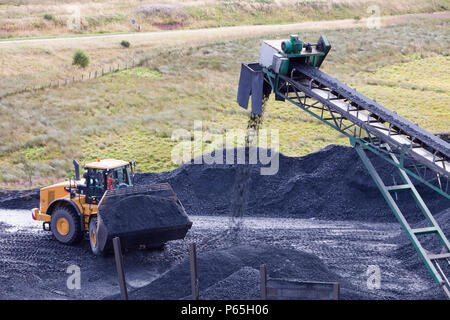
(194, 275)
(337, 291)
(263, 281)
(119, 266)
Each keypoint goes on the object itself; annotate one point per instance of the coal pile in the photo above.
(329, 184)
(219, 268)
(11, 199)
(406, 251)
(244, 284)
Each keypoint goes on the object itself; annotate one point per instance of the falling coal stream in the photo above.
(242, 182)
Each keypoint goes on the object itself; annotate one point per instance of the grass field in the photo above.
(132, 114)
(26, 18)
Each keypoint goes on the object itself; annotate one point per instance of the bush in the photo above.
(80, 58)
(48, 16)
(125, 43)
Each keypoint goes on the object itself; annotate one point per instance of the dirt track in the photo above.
(33, 264)
(177, 37)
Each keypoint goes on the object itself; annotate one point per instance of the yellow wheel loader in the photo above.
(105, 204)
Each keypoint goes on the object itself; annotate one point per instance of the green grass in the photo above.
(141, 72)
(132, 114)
(417, 74)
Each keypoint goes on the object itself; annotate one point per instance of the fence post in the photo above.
(119, 266)
(103, 72)
(336, 288)
(194, 275)
(263, 281)
(95, 74)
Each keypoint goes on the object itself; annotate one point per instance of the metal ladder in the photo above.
(431, 260)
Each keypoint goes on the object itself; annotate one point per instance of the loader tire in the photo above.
(66, 226)
(93, 239)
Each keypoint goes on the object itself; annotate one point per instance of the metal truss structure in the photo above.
(371, 127)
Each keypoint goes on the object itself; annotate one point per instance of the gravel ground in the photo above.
(33, 264)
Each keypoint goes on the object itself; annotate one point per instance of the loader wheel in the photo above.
(66, 226)
(93, 239)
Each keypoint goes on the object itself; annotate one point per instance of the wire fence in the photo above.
(83, 77)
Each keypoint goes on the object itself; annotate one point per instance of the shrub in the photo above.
(81, 59)
(125, 43)
(48, 17)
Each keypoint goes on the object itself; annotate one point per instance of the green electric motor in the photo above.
(293, 45)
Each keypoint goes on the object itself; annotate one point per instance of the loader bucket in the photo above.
(147, 215)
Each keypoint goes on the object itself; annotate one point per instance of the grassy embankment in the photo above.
(27, 18)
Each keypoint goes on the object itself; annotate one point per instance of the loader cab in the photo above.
(103, 175)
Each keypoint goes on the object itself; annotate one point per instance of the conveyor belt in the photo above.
(390, 128)
(372, 106)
